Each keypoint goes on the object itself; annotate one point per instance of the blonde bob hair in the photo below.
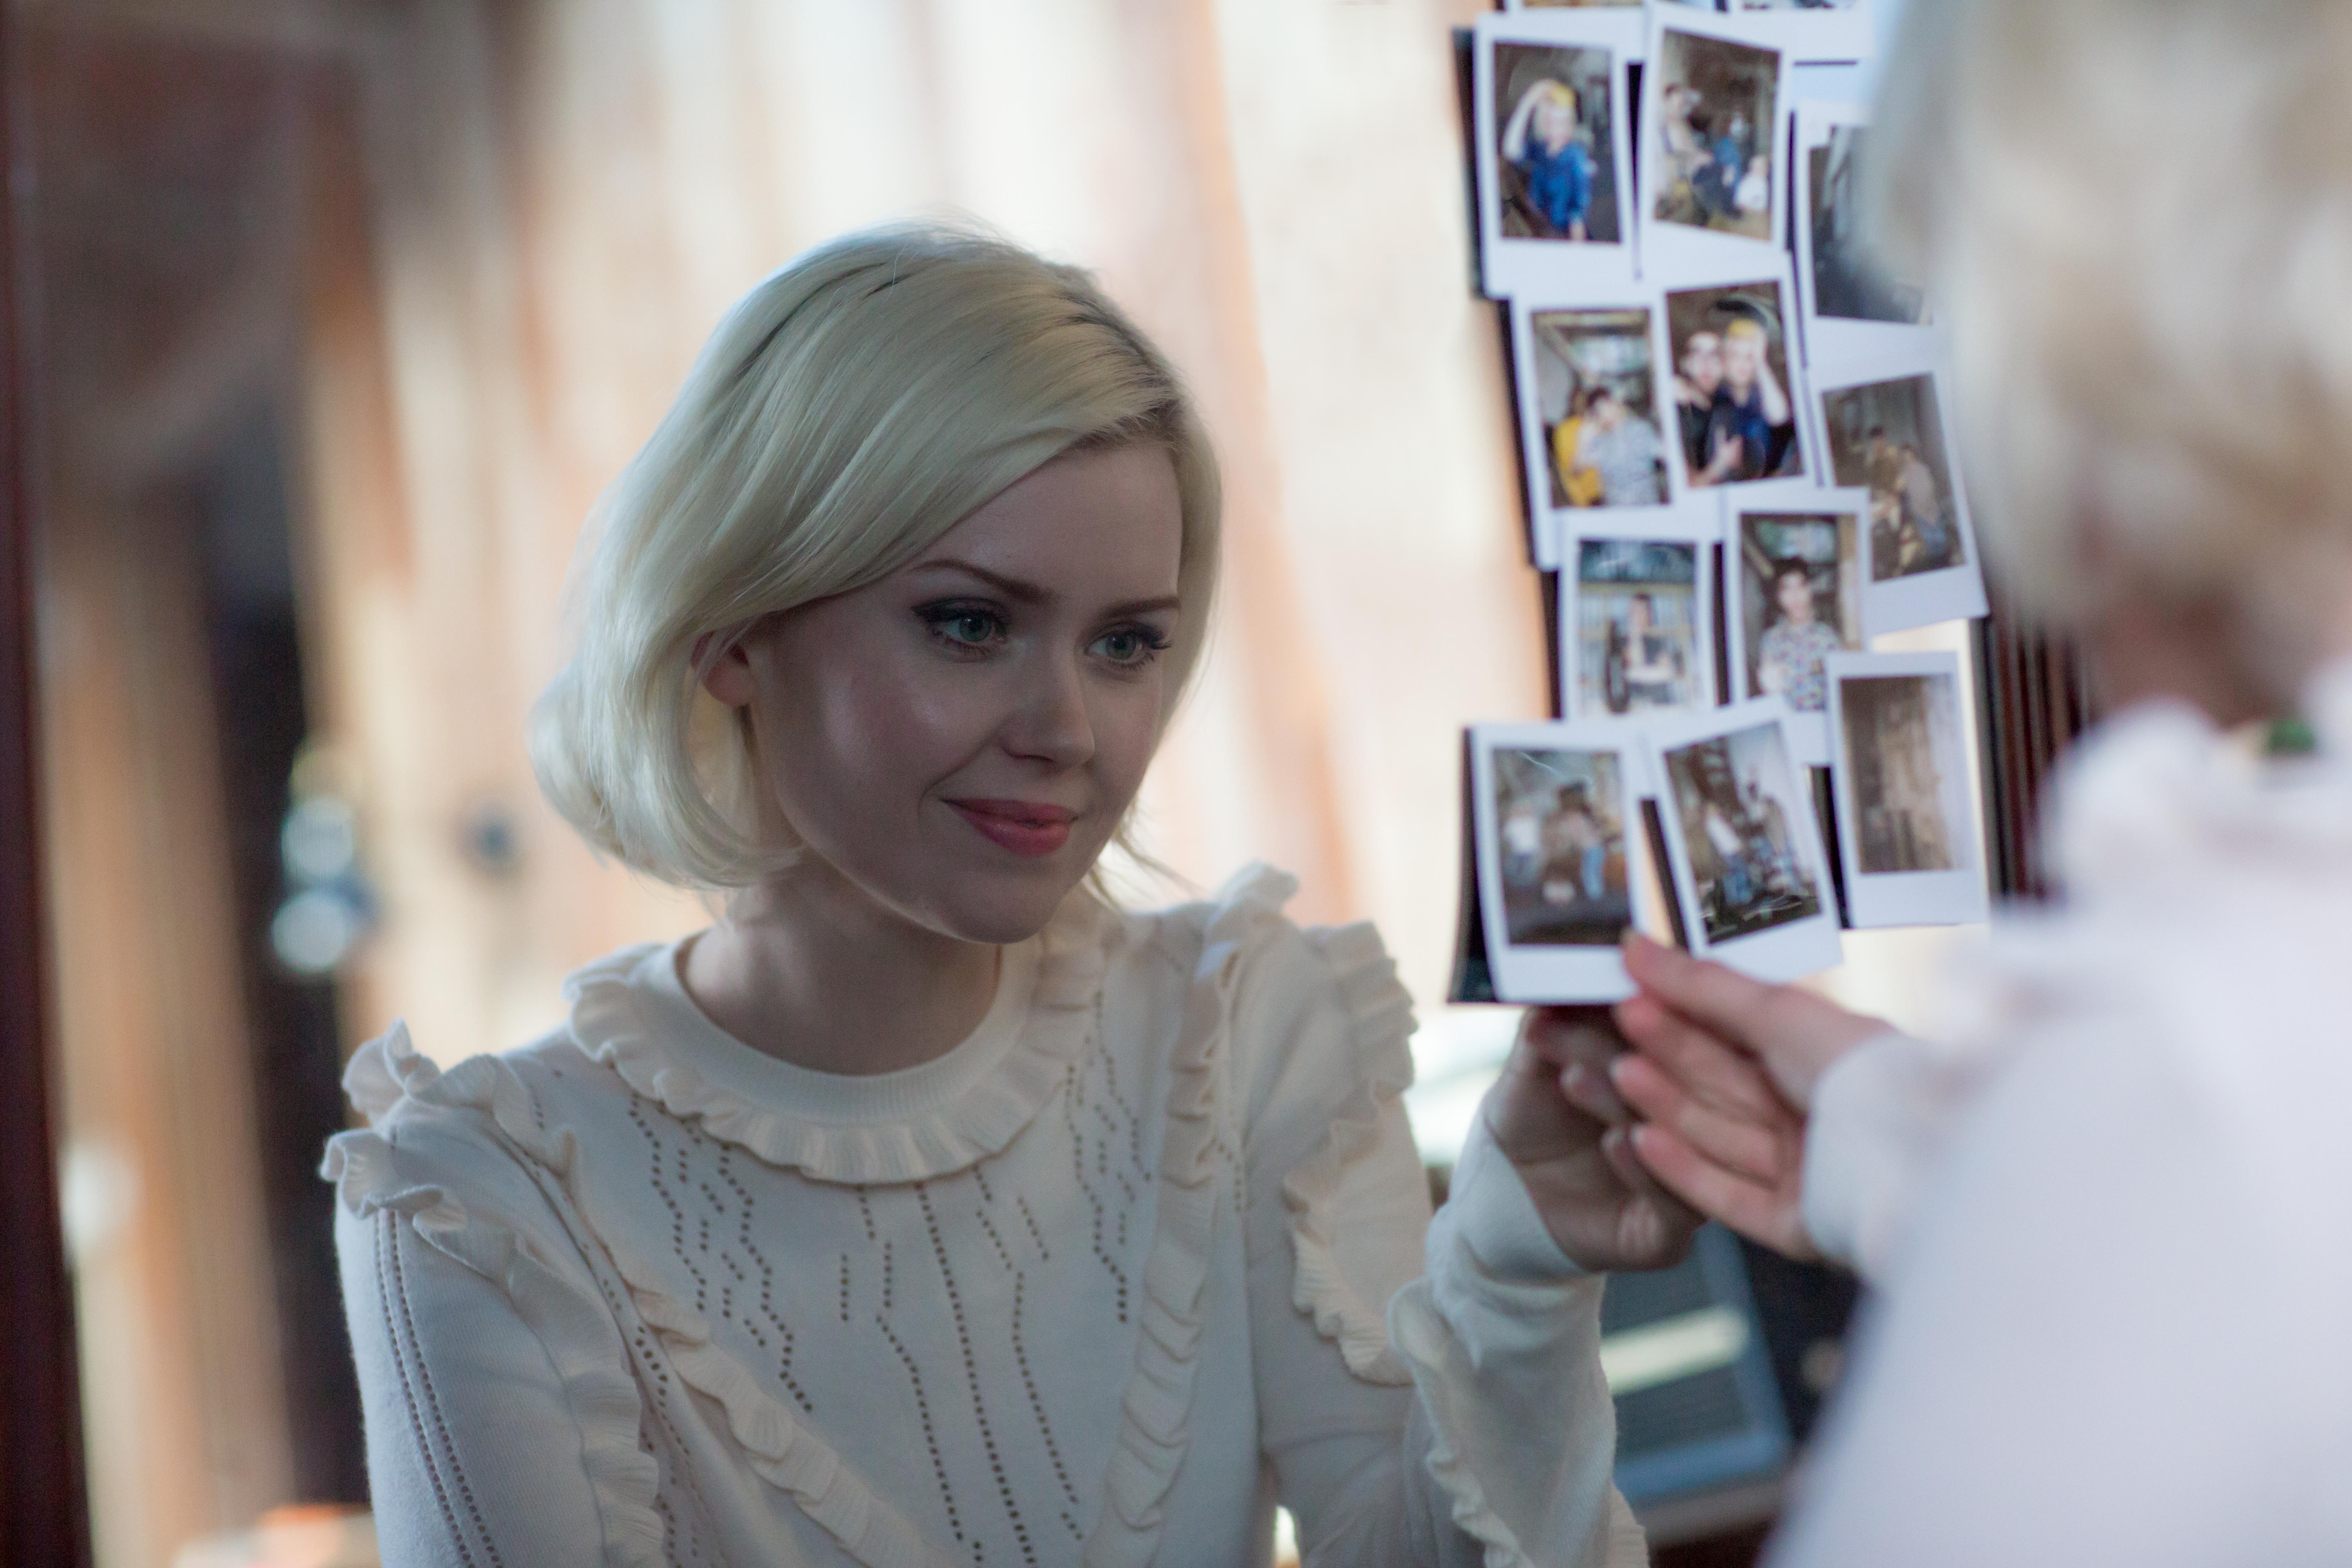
(846, 413)
(2136, 215)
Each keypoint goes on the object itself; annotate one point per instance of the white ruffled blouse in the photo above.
(1129, 1266)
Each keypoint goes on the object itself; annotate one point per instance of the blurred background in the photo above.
(337, 315)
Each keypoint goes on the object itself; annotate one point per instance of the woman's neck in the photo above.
(812, 970)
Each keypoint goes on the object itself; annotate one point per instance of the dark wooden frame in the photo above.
(44, 1506)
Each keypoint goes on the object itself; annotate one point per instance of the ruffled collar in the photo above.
(631, 1012)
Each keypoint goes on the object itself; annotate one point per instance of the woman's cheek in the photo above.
(1128, 734)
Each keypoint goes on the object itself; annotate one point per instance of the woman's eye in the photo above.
(964, 627)
(1130, 645)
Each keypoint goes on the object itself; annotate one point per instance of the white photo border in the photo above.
(1534, 975)
(1695, 523)
(1627, 25)
(1680, 248)
(1549, 524)
(1510, 266)
(1785, 952)
(1874, 900)
(1923, 598)
(1818, 37)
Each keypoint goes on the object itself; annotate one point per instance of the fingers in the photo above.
(1578, 1044)
(1758, 1212)
(1795, 1033)
(1720, 998)
(1710, 1068)
(1760, 1150)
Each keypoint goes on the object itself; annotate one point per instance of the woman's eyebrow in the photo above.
(1021, 592)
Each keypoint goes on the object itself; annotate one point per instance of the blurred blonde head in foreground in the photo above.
(2136, 215)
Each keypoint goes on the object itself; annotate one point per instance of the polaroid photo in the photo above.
(1794, 595)
(1742, 847)
(1724, 344)
(1637, 620)
(1854, 309)
(1714, 184)
(1622, 24)
(1815, 32)
(1555, 215)
(1593, 412)
(1886, 426)
(1906, 819)
(1557, 829)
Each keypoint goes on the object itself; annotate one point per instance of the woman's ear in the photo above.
(727, 674)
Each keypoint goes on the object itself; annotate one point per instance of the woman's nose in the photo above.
(1051, 723)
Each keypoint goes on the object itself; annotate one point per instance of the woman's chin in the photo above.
(1006, 904)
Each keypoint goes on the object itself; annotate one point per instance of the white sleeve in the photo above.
(1484, 1433)
(1503, 1336)
(502, 1416)
(473, 1456)
(2084, 1353)
(1881, 1117)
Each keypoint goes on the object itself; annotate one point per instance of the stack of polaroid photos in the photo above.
(1739, 467)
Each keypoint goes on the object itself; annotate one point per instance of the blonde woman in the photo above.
(928, 1208)
(2110, 1208)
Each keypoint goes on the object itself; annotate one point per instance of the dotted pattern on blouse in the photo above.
(927, 1297)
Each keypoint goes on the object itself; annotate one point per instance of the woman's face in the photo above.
(1743, 355)
(959, 740)
(1555, 123)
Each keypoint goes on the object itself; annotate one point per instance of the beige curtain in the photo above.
(568, 195)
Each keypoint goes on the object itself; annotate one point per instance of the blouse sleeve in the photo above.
(491, 1374)
(1883, 1115)
(2094, 1348)
(1482, 1433)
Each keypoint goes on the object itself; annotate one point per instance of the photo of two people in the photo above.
(1888, 436)
(1596, 389)
(1737, 417)
(1715, 142)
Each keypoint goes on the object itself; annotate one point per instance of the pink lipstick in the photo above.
(1027, 828)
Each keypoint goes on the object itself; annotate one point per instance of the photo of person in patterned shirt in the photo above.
(1800, 601)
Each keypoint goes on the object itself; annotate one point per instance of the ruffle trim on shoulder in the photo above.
(1155, 1428)
(577, 1325)
(1379, 1022)
(610, 1027)
(574, 1324)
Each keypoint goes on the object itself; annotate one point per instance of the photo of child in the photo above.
(1637, 628)
(1596, 390)
(1557, 174)
(1800, 601)
(1716, 150)
(1737, 420)
(1889, 436)
(1907, 769)
(1736, 796)
(1561, 819)
(1848, 282)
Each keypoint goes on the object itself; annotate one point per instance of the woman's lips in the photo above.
(1025, 828)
